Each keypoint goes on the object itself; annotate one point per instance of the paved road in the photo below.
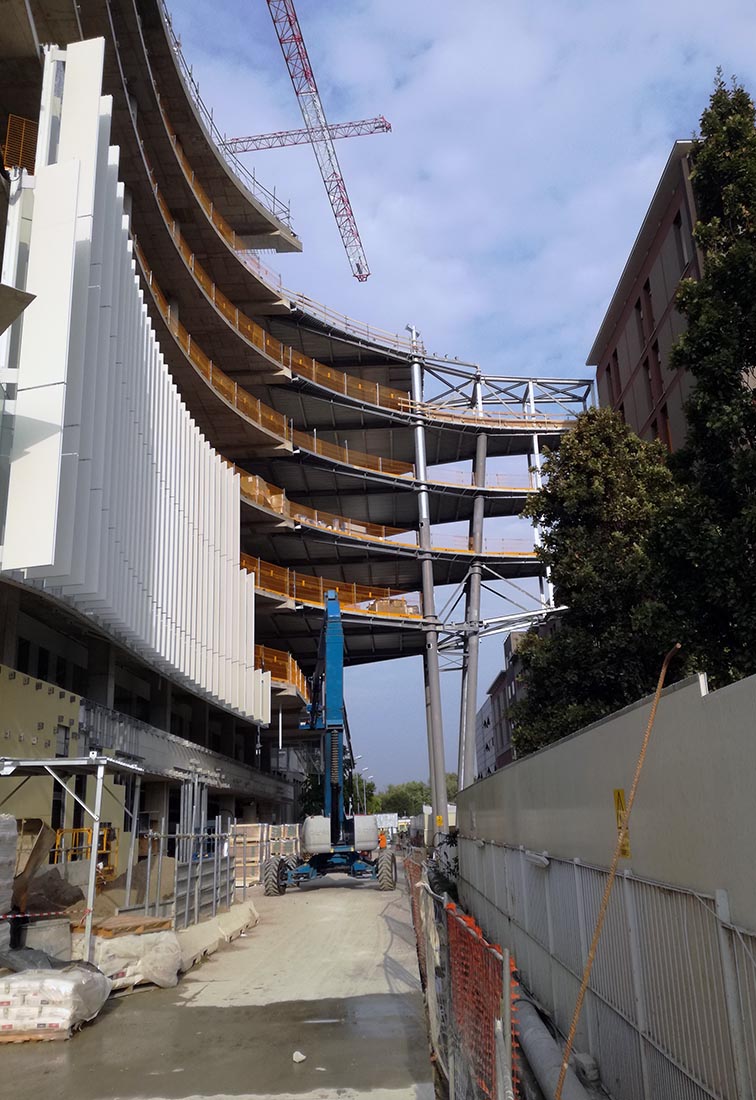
(330, 971)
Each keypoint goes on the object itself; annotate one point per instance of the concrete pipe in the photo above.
(544, 1056)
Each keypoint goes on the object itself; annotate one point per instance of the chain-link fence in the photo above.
(467, 983)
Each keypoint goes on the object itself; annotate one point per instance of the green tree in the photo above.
(707, 542)
(405, 799)
(604, 491)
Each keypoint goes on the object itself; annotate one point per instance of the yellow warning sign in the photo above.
(620, 810)
(439, 821)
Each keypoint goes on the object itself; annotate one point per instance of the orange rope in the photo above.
(621, 838)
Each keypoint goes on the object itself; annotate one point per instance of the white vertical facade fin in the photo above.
(137, 519)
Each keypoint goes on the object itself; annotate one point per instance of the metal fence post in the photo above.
(149, 873)
(636, 970)
(188, 889)
(584, 943)
(198, 886)
(175, 880)
(732, 998)
(161, 846)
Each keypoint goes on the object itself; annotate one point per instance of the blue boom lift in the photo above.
(335, 842)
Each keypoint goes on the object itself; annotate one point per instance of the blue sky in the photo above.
(496, 217)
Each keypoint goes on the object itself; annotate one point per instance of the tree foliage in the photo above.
(407, 799)
(645, 552)
(707, 546)
(603, 493)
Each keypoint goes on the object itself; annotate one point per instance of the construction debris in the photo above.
(49, 892)
(151, 957)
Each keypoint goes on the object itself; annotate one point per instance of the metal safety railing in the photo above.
(268, 198)
(304, 366)
(283, 669)
(280, 581)
(671, 1004)
(258, 492)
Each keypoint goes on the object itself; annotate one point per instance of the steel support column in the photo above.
(468, 706)
(546, 587)
(432, 665)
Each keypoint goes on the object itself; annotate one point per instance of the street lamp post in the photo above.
(364, 790)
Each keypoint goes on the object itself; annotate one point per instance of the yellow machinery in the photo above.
(76, 844)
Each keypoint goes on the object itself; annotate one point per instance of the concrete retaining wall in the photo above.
(694, 820)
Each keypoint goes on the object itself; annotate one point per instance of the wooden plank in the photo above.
(128, 925)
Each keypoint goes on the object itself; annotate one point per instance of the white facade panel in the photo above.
(32, 512)
(139, 524)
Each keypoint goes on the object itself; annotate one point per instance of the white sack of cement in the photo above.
(51, 1001)
(298, 1056)
(130, 960)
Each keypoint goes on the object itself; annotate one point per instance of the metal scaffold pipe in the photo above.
(431, 659)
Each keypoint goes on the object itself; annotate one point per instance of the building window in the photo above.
(649, 324)
(60, 672)
(43, 663)
(62, 741)
(621, 411)
(23, 655)
(649, 385)
(681, 242)
(666, 435)
(639, 323)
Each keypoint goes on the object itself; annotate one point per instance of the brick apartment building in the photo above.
(631, 350)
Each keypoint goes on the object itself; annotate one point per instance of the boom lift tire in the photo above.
(274, 876)
(386, 870)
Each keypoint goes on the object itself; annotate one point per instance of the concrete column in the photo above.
(101, 673)
(466, 759)
(432, 664)
(9, 605)
(160, 703)
(199, 729)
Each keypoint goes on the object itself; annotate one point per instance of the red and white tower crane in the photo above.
(279, 138)
(319, 132)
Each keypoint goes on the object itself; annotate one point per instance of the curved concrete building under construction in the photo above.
(208, 453)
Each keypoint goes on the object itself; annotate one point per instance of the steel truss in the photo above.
(540, 406)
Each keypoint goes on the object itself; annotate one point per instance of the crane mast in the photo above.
(293, 47)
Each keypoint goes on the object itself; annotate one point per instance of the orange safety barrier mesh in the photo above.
(514, 990)
(413, 870)
(283, 669)
(285, 582)
(477, 990)
(20, 147)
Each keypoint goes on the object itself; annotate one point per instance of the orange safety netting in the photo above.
(477, 990)
(413, 871)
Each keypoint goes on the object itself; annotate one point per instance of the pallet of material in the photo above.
(253, 831)
(9, 1034)
(126, 924)
(258, 846)
(284, 847)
